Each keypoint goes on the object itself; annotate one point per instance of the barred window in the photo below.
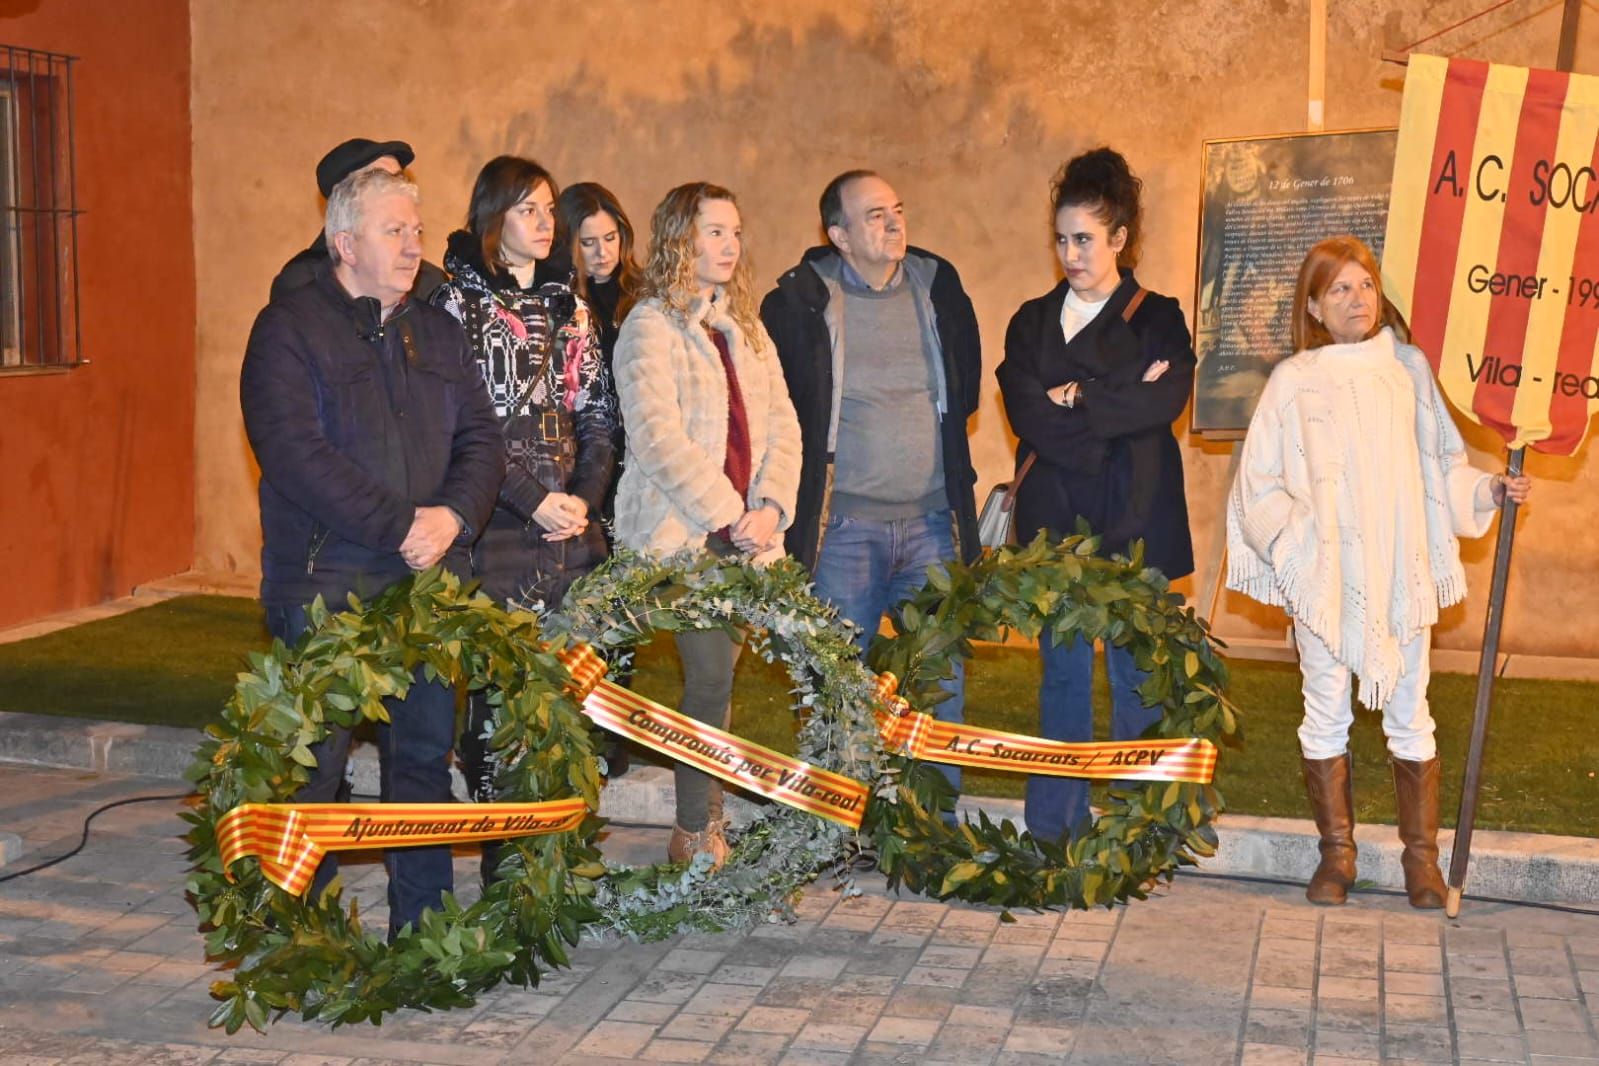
(38, 197)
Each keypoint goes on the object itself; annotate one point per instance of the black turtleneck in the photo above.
(603, 297)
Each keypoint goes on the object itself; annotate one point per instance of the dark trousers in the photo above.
(413, 752)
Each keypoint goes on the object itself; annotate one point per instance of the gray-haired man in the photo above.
(380, 455)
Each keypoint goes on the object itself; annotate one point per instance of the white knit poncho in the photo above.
(1352, 486)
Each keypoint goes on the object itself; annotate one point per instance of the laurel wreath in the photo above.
(315, 957)
(1146, 831)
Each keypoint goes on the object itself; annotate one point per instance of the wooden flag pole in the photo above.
(1466, 820)
(1486, 669)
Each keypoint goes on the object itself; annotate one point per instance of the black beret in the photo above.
(351, 156)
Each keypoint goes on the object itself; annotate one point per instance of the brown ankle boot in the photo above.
(1416, 791)
(1332, 802)
(684, 845)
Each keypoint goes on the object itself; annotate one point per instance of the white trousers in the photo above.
(1328, 688)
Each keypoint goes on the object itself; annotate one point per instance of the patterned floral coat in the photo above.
(539, 353)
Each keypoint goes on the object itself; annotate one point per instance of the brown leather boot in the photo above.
(684, 845)
(1416, 791)
(1332, 802)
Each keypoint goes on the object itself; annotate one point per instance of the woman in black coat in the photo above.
(538, 350)
(1095, 372)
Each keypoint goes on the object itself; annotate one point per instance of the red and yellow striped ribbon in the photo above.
(717, 752)
(1492, 246)
(921, 736)
(290, 839)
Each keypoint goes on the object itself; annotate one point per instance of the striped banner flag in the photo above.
(1492, 247)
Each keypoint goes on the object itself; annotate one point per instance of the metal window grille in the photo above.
(39, 321)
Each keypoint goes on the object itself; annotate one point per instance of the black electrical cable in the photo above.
(85, 838)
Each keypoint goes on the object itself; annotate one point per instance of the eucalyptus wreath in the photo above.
(1147, 830)
(315, 957)
(627, 600)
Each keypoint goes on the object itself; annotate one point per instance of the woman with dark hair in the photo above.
(1095, 372)
(607, 278)
(606, 275)
(713, 446)
(1351, 490)
(535, 344)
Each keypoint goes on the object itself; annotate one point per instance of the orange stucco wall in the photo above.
(97, 465)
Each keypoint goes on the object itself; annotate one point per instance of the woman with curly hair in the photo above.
(537, 349)
(713, 445)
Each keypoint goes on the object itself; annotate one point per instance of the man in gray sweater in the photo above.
(880, 350)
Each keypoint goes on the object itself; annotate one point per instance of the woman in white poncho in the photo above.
(1351, 490)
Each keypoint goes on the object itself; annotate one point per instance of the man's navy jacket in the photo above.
(355, 423)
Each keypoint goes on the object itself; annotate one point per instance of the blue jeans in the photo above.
(413, 752)
(867, 567)
(1056, 805)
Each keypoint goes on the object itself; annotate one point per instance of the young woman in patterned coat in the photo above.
(538, 350)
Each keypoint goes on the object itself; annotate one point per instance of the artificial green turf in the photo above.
(174, 663)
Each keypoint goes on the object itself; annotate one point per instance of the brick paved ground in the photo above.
(100, 964)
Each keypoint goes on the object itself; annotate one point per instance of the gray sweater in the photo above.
(888, 459)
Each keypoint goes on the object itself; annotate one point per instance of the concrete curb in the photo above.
(1520, 866)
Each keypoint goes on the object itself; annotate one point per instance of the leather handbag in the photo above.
(994, 525)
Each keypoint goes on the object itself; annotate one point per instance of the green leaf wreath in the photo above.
(315, 958)
(1147, 830)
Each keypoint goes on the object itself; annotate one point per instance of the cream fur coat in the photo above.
(674, 407)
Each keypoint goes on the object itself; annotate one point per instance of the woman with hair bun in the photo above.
(1352, 488)
(1095, 372)
(713, 446)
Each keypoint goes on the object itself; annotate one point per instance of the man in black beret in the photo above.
(349, 158)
